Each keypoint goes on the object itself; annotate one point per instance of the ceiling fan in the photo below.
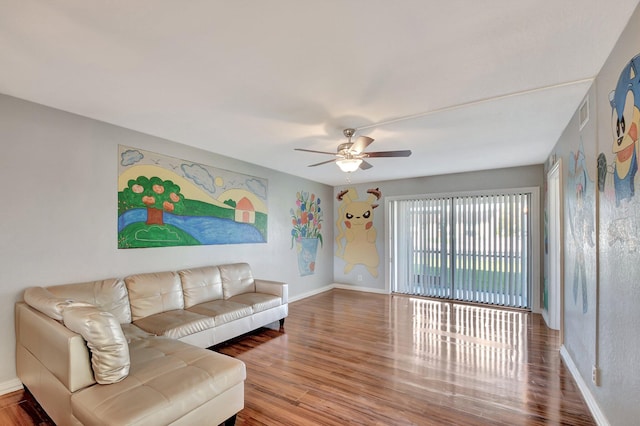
(350, 155)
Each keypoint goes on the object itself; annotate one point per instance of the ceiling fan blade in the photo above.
(321, 163)
(402, 153)
(364, 165)
(360, 144)
(311, 150)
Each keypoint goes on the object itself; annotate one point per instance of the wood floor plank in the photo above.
(347, 357)
(19, 408)
(353, 358)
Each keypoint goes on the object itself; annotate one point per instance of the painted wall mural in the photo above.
(576, 151)
(616, 177)
(164, 201)
(356, 240)
(625, 114)
(306, 234)
(581, 220)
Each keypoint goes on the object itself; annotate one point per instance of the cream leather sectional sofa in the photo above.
(132, 351)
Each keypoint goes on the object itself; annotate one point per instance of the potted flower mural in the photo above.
(306, 218)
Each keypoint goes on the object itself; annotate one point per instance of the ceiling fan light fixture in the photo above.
(349, 165)
(350, 155)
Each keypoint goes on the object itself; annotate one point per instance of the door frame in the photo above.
(555, 279)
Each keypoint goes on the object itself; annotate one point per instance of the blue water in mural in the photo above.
(207, 230)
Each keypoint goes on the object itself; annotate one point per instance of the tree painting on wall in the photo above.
(164, 201)
(156, 195)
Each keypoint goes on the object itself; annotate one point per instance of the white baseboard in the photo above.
(337, 285)
(10, 386)
(597, 414)
(545, 317)
(311, 293)
(363, 289)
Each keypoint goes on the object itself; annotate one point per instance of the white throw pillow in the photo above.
(103, 333)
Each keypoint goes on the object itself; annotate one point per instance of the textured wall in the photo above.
(576, 149)
(58, 177)
(619, 224)
(602, 237)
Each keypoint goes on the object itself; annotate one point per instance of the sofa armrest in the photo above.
(276, 288)
(58, 349)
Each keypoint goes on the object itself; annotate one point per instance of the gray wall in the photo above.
(58, 177)
(576, 150)
(516, 177)
(619, 264)
(602, 329)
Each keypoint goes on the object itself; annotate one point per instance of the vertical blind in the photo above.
(470, 248)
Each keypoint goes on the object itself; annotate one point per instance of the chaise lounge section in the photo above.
(132, 351)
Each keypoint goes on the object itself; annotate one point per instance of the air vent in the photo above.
(584, 112)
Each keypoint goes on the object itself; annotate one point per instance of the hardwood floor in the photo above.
(349, 357)
(19, 408)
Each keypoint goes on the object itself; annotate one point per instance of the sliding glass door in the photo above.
(472, 248)
(421, 259)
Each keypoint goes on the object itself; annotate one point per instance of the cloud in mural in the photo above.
(130, 157)
(257, 187)
(200, 176)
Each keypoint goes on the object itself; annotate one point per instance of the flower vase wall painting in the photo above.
(164, 201)
(306, 218)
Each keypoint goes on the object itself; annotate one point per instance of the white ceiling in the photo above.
(466, 85)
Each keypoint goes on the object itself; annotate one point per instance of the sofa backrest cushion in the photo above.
(200, 285)
(153, 293)
(108, 295)
(46, 302)
(109, 349)
(237, 278)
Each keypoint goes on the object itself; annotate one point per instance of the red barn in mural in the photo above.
(245, 212)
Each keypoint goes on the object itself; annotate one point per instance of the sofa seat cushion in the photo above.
(175, 324)
(132, 332)
(167, 380)
(222, 311)
(258, 301)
